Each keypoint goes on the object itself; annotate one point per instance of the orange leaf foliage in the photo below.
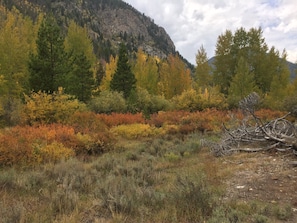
(115, 119)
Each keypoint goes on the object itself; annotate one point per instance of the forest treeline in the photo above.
(47, 72)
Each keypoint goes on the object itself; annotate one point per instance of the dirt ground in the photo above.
(267, 177)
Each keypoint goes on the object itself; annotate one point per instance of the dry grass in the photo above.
(164, 179)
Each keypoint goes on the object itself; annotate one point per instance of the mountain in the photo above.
(109, 22)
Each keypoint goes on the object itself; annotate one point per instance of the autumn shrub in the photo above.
(187, 128)
(52, 153)
(14, 150)
(135, 131)
(30, 145)
(188, 100)
(207, 120)
(115, 119)
(108, 102)
(168, 117)
(46, 108)
(267, 114)
(192, 100)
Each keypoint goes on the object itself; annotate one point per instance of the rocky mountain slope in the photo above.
(108, 21)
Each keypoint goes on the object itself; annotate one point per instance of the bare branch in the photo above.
(279, 134)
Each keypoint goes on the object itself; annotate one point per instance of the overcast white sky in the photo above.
(192, 23)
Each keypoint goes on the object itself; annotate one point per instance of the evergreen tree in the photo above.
(80, 81)
(49, 66)
(100, 73)
(123, 80)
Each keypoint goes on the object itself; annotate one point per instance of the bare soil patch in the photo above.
(267, 177)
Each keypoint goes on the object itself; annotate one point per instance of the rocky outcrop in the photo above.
(108, 21)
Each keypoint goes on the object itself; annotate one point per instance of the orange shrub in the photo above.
(169, 117)
(187, 128)
(267, 114)
(14, 150)
(115, 119)
(86, 122)
(28, 145)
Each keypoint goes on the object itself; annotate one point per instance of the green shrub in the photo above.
(192, 199)
(260, 219)
(283, 213)
(172, 157)
(142, 101)
(108, 102)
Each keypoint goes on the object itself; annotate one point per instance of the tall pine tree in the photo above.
(80, 81)
(49, 66)
(123, 80)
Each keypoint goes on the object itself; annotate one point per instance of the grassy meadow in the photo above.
(123, 168)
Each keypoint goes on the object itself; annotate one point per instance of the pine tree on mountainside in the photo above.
(123, 80)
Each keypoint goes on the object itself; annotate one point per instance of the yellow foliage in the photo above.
(52, 153)
(135, 131)
(192, 100)
(47, 108)
(110, 69)
(175, 78)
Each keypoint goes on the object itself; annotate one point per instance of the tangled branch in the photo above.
(279, 134)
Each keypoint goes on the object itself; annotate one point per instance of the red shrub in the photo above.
(115, 119)
(169, 117)
(86, 122)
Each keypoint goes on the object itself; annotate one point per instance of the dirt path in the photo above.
(266, 177)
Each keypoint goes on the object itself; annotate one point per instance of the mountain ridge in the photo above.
(109, 22)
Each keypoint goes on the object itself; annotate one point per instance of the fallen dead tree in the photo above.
(253, 135)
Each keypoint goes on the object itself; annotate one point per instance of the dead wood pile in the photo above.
(253, 135)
